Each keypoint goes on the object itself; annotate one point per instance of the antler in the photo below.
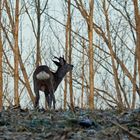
(61, 59)
(56, 57)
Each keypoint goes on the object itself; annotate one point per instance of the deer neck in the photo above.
(59, 75)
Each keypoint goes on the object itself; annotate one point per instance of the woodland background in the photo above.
(101, 38)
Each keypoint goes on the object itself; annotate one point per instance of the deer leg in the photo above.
(37, 98)
(52, 97)
(48, 99)
(36, 91)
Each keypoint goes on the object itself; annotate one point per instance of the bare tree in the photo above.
(91, 56)
(137, 22)
(1, 56)
(16, 54)
(38, 58)
(111, 51)
(37, 32)
(14, 29)
(15, 26)
(89, 21)
(70, 53)
(120, 104)
(66, 56)
(82, 76)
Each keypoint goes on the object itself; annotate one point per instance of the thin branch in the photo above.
(127, 131)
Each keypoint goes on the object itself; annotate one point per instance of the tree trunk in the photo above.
(66, 57)
(134, 83)
(70, 53)
(89, 20)
(27, 83)
(1, 71)
(38, 57)
(137, 21)
(82, 77)
(120, 103)
(16, 54)
(91, 56)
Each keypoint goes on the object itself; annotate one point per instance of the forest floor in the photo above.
(81, 124)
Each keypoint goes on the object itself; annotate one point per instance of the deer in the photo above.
(47, 81)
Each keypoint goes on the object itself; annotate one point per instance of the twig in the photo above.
(126, 130)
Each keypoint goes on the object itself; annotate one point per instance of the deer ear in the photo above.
(57, 63)
(62, 61)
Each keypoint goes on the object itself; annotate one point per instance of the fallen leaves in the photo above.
(82, 124)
